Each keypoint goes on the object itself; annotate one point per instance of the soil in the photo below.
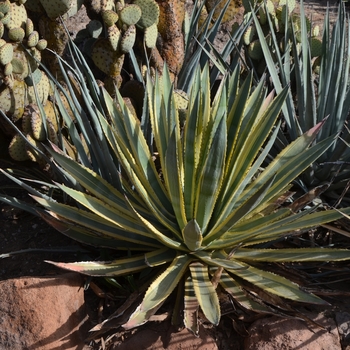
(22, 231)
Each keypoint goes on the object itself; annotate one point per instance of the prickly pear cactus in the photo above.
(125, 25)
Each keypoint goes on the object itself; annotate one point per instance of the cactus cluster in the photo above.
(278, 11)
(22, 83)
(20, 55)
(115, 28)
(32, 125)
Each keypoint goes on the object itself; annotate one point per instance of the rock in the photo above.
(42, 313)
(343, 321)
(164, 336)
(290, 334)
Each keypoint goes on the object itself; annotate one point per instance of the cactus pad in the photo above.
(33, 39)
(32, 153)
(41, 45)
(128, 39)
(17, 66)
(289, 3)
(29, 27)
(6, 19)
(2, 29)
(18, 15)
(130, 14)
(109, 17)
(37, 124)
(150, 13)
(6, 53)
(249, 35)
(114, 37)
(151, 35)
(26, 121)
(255, 50)
(34, 77)
(316, 47)
(17, 149)
(16, 34)
(56, 8)
(5, 6)
(104, 56)
(8, 69)
(94, 28)
(43, 90)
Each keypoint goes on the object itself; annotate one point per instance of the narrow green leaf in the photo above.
(191, 306)
(211, 177)
(100, 238)
(192, 235)
(173, 172)
(278, 285)
(117, 267)
(292, 255)
(236, 291)
(205, 292)
(97, 223)
(158, 291)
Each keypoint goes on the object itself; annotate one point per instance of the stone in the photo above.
(343, 322)
(42, 313)
(290, 334)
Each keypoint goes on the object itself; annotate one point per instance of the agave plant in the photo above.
(195, 205)
(317, 90)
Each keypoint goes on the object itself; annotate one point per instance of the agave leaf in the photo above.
(288, 108)
(90, 126)
(236, 291)
(205, 292)
(230, 195)
(118, 267)
(97, 223)
(191, 141)
(239, 213)
(292, 161)
(191, 306)
(104, 239)
(167, 241)
(134, 155)
(292, 255)
(173, 175)
(91, 181)
(211, 177)
(192, 235)
(122, 219)
(236, 115)
(302, 222)
(278, 285)
(159, 290)
(16, 203)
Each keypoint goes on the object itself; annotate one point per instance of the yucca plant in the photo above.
(195, 205)
(317, 90)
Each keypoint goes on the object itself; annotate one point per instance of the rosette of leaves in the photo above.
(194, 211)
(321, 93)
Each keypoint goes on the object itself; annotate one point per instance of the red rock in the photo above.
(42, 313)
(291, 334)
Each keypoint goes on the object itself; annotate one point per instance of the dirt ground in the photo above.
(21, 231)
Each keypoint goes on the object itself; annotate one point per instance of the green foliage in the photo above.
(192, 192)
(314, 97)
(195, 211)
(275, 19)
